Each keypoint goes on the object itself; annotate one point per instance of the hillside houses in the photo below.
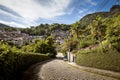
(17, 38)
(60, 36)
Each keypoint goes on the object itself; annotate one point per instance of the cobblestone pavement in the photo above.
(59, 70)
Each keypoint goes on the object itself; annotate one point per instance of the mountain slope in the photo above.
(86, 20)
(6, 27)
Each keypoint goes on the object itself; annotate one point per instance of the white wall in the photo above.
(70, 57)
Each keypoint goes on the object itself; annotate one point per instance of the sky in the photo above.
(26, 13)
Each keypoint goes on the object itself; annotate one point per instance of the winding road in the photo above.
(57, 69)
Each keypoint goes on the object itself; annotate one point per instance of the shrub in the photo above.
(108, 60)
(86, 43)
(45, 47)
(12, 64)
(113, 32)
(13, 61)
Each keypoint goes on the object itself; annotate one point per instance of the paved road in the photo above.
(57, 69)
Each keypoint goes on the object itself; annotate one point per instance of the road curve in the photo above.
(57, 69)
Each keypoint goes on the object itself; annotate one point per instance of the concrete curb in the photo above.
(97, 71)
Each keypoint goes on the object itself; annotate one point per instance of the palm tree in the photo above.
(98, 30)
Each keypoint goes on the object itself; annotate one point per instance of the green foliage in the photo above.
(50, 41)
(87, 42)
(64, 47)
(113, 32)
(42, 47)
(93, 58)
(70, 45)
(75, 30)
(28, 48)
(64, 52)
(13, 61)
(45, 29)
(84, 44)
(102, 31)
(45, 46)
(99, 30)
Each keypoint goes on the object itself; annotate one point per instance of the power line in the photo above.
(98, 7)
(102, 4)
(117, 2)
(105, 2)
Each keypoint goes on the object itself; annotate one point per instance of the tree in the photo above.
(75, 30)
(98, 30)
(113, 32)
(45, 46)
(50, 40)
(40, 47)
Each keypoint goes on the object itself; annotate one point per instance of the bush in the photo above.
(12, 64)
(86, 43)
(64, 52)
(113, 36)
(45, 47)
(109, 60)
(113, 32)
(28, 48)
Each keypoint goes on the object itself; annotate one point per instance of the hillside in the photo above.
(101, 30)
(45, 29)
(6, 27)
(86, 20)
(94, 28)
(3, 26)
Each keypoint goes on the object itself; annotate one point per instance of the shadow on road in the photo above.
(32, 71)
(59, 58)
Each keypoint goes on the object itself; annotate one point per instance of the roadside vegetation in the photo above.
(13, 60)
(93, 58)
(103, 32)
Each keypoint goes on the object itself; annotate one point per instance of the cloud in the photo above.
(34, 9)
(88, 3)
(13, 24)
(30, 11)
(8, 14)
(13, 20)
(91, 2)
(84, 12)
(6, 9)
(70, 11)
(33, 12)
(84, 9)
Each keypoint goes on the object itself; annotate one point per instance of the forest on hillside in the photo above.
(45, 29)
(104, 31)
